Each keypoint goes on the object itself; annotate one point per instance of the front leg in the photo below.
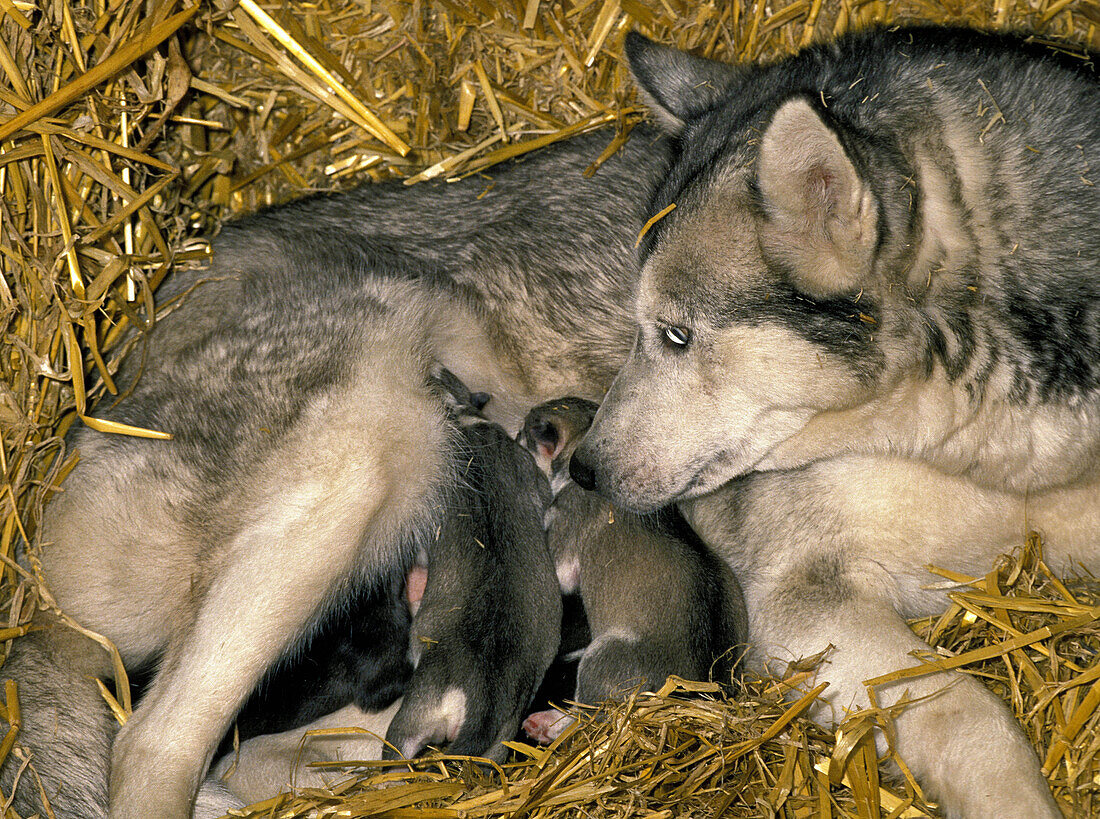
(273, 582)
(959, 740)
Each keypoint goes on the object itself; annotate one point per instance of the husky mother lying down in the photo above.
(870, 329)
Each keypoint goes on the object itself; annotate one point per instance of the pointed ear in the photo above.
(821, 218)
(676, 85)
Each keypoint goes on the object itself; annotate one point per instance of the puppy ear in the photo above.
(675, 85)
(821, 217)
(546, 437)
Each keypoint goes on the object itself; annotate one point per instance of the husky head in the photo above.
(756, 310)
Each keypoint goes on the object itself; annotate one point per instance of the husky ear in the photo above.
(821, 216)
(676, 85)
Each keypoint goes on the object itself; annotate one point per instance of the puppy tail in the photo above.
(63, 726)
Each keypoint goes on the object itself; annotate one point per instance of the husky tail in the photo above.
(59, 764)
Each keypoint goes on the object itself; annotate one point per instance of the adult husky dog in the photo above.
(310, 452)
(873, 322)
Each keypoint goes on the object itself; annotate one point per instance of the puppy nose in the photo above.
(582, 473)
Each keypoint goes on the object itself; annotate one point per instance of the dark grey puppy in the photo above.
(658, 601)
(359, 653)
(489, 623)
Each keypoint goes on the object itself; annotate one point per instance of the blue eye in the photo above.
(679, 336)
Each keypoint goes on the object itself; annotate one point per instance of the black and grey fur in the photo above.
(875, 309)
(310, 453)
(658, 602)
(358, 655)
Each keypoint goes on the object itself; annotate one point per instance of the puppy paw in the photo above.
(546, 726)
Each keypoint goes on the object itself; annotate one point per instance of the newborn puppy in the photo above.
(490, 619)
(658, 602)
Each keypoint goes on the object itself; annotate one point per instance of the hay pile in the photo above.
(129, 128)
(689, 751)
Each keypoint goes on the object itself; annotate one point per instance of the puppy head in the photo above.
(551, 431)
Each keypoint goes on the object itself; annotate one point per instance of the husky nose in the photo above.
(582, 473)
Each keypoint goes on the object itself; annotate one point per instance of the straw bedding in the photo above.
(128, 128)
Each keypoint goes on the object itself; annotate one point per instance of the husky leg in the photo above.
(246, 621)
(349, 503)
(959, 740)
(260, 604)
(66, 726)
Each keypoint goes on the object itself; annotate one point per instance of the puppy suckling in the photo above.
(485, 615)
(490, 620)
(658, 602)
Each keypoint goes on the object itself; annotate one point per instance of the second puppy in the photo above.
(489, 623)
(658, 602)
